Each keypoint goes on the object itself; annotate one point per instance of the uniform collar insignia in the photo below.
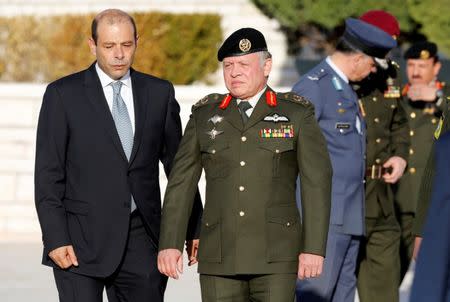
(275, 117)
(213, 133)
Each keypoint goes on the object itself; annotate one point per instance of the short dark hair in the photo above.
(115, 15)
(345, 47)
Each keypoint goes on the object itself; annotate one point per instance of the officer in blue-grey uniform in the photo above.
(340, 118)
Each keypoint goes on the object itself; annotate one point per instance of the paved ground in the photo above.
(23, 279)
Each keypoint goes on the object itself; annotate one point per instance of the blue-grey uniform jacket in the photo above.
(338, 114)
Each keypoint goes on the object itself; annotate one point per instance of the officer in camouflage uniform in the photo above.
(423, 102)
(252, 144)
(387, 150)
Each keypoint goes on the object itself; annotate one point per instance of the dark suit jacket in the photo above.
(432, 276)
(83, 180)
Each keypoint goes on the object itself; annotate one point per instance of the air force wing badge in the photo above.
(276, 118)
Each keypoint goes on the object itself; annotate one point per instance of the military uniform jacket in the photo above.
(387, 133)
(337, 111)
(423, 118)
(251, 224)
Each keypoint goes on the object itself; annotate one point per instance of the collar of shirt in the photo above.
(126, 91)
(106, 80)
(253, 101)
(337, 70)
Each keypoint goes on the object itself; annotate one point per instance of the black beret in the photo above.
(421, 50)
(368, 38)
(242, 42)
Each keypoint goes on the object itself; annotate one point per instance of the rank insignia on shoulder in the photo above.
(213, 133)
(437, 132)
(285, 131)
(216, 119)
(202, 101)
(276, 118)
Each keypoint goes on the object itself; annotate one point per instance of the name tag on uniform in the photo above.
(344, 126)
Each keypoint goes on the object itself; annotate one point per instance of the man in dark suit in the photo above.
(101, 135)
(431, 281)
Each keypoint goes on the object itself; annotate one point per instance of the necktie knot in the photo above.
(116, 86)
(243, 107)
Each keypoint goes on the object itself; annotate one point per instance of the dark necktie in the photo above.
(243, 107)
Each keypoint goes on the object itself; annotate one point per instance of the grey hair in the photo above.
(263, 56)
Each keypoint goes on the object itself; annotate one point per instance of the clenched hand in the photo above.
(64, 256)
(309, 266)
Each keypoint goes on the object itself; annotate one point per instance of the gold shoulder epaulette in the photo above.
(294, 98)
(209, 99)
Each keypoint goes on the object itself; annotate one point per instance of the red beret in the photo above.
(383, 20)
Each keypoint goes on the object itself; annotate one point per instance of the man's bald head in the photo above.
(110, 17)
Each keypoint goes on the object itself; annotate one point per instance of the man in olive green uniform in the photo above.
(252, 144)
(387, 150)
(423, 103)
(426, 186)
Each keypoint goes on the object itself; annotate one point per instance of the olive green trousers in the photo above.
(248, 288)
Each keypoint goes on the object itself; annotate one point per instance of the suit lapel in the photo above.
(140, 99)
(261, 110)
(97, 98)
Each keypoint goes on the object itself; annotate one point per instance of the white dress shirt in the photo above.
(126, 92)
(253, 101)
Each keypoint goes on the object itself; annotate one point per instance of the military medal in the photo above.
(285, 131)
(213, 133)
(216, 119)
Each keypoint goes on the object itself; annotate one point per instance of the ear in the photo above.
(92, 46)
(137, 39)
(267, 67)
(436, 68)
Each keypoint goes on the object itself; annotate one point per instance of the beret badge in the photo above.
(245, 45)
(424, 54)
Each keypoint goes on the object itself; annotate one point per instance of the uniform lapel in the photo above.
(97, 98)
(232, 115)
(140, 100)
(261, 110)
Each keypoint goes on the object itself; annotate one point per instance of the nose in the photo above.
(235, 71)
(119, 53)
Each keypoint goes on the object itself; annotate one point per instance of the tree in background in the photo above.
(312, 26)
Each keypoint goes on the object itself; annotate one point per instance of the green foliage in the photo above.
(435, 22)
(416, 17)
(181, 48)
